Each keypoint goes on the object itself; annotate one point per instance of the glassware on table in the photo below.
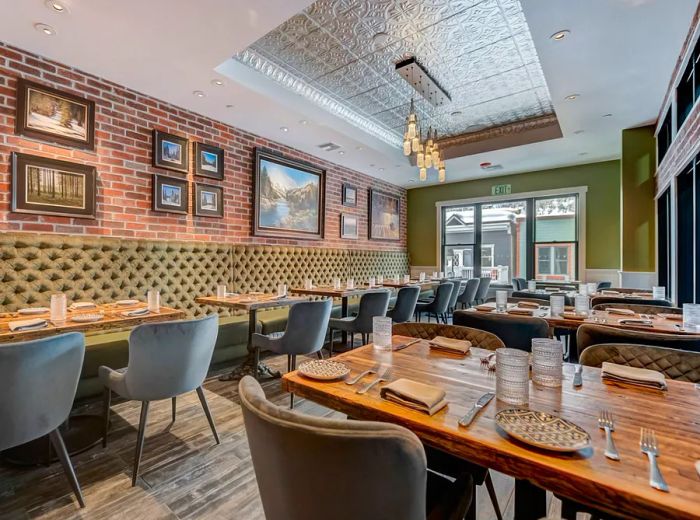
(153, 300)
(592, 287)
(380, 279)
(381, 332)
(58, 307)
(557, 304)
(691, 317)
(308, 284)
(582, 304)
(351, 283)
(336, 284)
(501, 301)
(532, 285)
(407, 278)
(372, 281)
(583, 289)
(658, 293)
(281, 289)
(512, 376)
(421, 277)
(221, 291)
(547, 362)
(435, 275)
(441, 275)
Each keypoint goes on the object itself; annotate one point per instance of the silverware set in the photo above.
(384, 376)
(359, 376)
(476, 407)
(647, 444)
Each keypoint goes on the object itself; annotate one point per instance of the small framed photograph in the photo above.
(51, 115)
(46, 186)
(208, 200)
(170, 152)
(348, 226)
(170, 194)
(208, 161)
(349, 195)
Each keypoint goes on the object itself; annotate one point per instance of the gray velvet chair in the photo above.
(604, 285)
(38, 380)
(589, 334)
(599, 300)
(405, 305)
(639, 308)
(305, 333)
(457, 289)
(372, 304)
(466, 299)
(438, 305)
(379, 468)
(165, 360)
(519, 284)
(483, 289)
(514, 331)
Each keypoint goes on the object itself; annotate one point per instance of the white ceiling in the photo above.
(619, 57)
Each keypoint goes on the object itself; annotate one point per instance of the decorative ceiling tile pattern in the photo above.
(479, 51)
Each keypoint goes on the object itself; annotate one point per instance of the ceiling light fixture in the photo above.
(198, 93)
(230, 106)
(560, 35)
(217, 83)
(56, 6)
(341, 152)
(381, 169)
(303, 122)
(44, 28)
(284, 128)
(571, 97)
(358, 148)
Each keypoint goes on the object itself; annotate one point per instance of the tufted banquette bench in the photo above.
(33, 266)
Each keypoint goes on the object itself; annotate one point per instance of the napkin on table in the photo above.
(418, 396)
(20, 325)
(459, 346)
(624, 312)
(529, 305)
(484, 308)
(633, 376)
(520, 311)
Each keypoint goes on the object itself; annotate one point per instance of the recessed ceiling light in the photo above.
(198, 93)
(46, 29)
(371, 165)
(230, 106)
(456, 113)
(607, 115)
(217, 83)
(358, 148)
(560, 35)
(303, 122)
(341, 152)
(579, 132)
(381, 169)
(571, 97)
(56, 6)
(284, 128)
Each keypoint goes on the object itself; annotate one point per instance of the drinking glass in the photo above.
(501, 301)
(583, 289)
(421, 277)
(435, 275)
(281, 289)
(381, 332)
(407, 278)
(58, 307)
(581, 304)
(557, 303)
(658, 293)
(308, 283)
(153, 299)
(380, 279)
(592, 287)
(441, 275)
(532, 285)
(336, 284)
(547, 361)
(512, 376)
(351, 283)
(691, 317)
(221, 291)
(372, 281)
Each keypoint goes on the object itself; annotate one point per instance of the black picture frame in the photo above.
(263, 158)
(170, 152)
(208, 161)
(377, 230)
(345, 220)
(73, 187)
(349, 195)
(170, 194)
(55, 116)
(203, 208)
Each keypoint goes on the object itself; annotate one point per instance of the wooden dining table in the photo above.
(617, 487)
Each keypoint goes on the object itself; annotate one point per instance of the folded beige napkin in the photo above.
(529, 305)
(609, 293)
(419, 396)
(633, 376)
(20, 325)
(83, 305)
(573, 316)
(460, 346)
(520, 311)
(624, 312)
(673, 317)
(485, 308)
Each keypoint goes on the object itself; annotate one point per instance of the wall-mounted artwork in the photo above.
(289, 197)
(349, 196)
(51, 115)
(384, 216)
(50, 187)
(170, 152)
(208, 161)
(170, 194)
(348, 226)
(208, 200)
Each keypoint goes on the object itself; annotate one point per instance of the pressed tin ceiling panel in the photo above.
(479, 51)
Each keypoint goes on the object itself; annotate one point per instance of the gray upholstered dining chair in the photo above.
(405, 305)
(478, 338)
(466, 299)
(165, 360)
(38, 380)
(483, 289)
(457, 289)
(305, 333)
(519, 284)
(590, 334)
(604, 285)
(640, 308)
(515, 331)
(372, 304)
(380, 467)
(599, 300)
(438, 305)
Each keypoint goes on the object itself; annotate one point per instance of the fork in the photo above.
(359, 376)
(606, 422)
(647, 444)
(384, 376)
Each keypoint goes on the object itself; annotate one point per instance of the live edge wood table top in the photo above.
(620, 487)
(113, 320)
(249, 301)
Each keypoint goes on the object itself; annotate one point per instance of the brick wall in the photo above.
(124, 121)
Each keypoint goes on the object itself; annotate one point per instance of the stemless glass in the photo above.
(691, 317)
(658, 293)
(407, 278)
(372, 281)
(381, 332)
(582, 304)
(532, 285)
(512, 376)
(336, 284)
(153, 299)
(380, 279)
(547, 361)
(281, 289)
(583, 289)
(308, 283)
(221, 291)
(557, 303)
(592, 287)
(435, 275)
(421, 277)
(351, 283)
(58, 307)
(501, 301)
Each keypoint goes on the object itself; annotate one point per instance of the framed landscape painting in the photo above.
(289, 197)
(348, 226)
(51, 115)
(208, 161)
(170, 194)
(170, 152)
(208, 200)
(51, 187)
(384, 216)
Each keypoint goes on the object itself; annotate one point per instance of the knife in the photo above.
(404, 345)
(578, 379)
(478, 405)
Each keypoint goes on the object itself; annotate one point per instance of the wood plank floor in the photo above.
(184, 475)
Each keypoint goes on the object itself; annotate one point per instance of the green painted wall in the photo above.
(602, 212)
(638, 165)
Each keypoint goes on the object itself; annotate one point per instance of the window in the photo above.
(556, 242)
(487, 255)
(688, 89)
(554, 260)
(664, 137)
(458, 241)
(664, 240)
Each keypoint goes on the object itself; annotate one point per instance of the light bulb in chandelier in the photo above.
(428, 161)
(406, 145)
(411, 130)
(436, 155)
(422, 174)
(441, 175)
(420, 159)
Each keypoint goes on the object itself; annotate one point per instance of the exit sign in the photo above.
(500, 189)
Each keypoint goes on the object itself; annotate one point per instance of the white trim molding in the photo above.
(638, 280)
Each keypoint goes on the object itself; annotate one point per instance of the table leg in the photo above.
(530, 501)
(344, 314)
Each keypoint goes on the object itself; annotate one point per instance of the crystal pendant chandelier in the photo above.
(426, 152)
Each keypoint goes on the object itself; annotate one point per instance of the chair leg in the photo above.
(492, 495)
(60, 448)
(319, 354)
(257, 364)
(205, 406)
(330, 347)
(292, 363)
(139, 441)
(107, 403)
(352, 340)
(174, 406)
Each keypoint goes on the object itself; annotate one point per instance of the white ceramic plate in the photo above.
(127, 302)
(87, 318)
(323, 370)
(33, 310)
(543, 430)
(83, 305)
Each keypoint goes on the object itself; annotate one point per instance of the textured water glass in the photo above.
(350, 283)
(380, 279)
(512, 376)
(691, 317)
(501, 301)
(153, 300)
(592, 287)
(532, 285)
(308, 283)
(281, 289)
(381, 332)
(221, 291)
(583, 289)
(557, 304)
(336, 284)
(407, 278)
(441, 275)
(435, 275)
(658, 293)
(547, 362)
(58, 307)
(581, 304)
(421, 277)
(372, 281)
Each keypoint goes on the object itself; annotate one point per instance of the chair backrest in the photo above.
(598, 300)
(483, 289)
(518, 299)
(443, 293)
(531, 295)
(590, 334)
(307, 325)
(478, 338)
(680, 365)
(456, 288)
(514, 331)
(469, 291)
(380, 467)
(38, 380)
(171, 358)
(640, 309)
(604, 285)
(519, 284)
(405, 305)
(372, 304)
